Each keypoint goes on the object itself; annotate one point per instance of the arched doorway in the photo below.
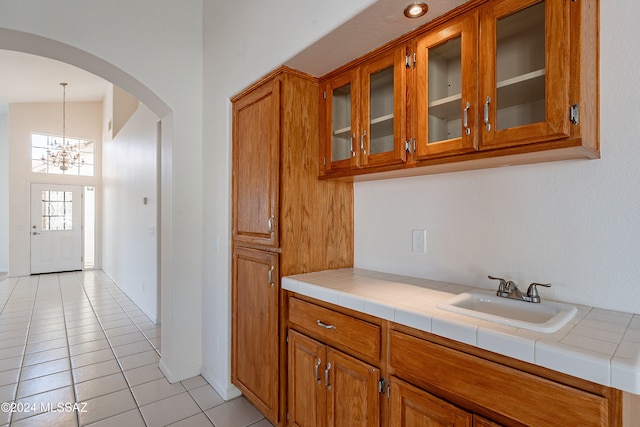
(41, 46)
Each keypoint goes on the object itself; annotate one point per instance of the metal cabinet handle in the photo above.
(316, 372)
(324, 325)
(270, 276)
(35, 233)
(465, 119)
(326, 376)
(353, 152)
(271, 224)
(364, 134)
(486, 114)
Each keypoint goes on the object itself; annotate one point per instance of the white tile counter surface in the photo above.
(598, 345)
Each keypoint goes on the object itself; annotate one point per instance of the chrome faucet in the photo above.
(509, 289)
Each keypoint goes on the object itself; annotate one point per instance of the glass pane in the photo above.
(341, 121)
(445, 91)
(57, 210)
(86, 170)
(40, 144)
(521, 68)
(381, 111)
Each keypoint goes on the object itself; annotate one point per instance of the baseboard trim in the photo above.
(174, 377)
(226, 392)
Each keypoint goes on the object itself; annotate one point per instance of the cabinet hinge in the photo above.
(410, 145)
(574, 114)
(408, 60)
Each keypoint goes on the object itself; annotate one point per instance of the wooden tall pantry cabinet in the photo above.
(285, 221)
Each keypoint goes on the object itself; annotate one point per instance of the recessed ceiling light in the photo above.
(416, 10)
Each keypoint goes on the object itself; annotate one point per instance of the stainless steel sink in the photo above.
(546, 316)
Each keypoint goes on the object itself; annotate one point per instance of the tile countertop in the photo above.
(598, 345)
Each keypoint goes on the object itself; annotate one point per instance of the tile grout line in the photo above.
(66, 334)
(26, 341)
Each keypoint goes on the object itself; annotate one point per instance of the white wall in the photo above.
(575, 224)
(240, 46)
(84, 120)
(153, 50)
(129, 242)
(4, 191)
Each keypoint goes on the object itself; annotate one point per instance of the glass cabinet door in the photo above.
(383, 110)
(446, 90)
(341, 118)
(525, 95)
(340, 127)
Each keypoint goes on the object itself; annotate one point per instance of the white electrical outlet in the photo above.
(419, 241)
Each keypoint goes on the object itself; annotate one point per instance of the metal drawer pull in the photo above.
(317, 365)
(326, 376)
(271, 224)
(324, 325)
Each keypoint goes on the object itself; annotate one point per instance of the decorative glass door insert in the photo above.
(57, 210)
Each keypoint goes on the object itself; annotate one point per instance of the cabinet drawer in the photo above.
(518, 395)
(336, 328)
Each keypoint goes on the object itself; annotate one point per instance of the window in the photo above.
(57, 210)
(41, 144)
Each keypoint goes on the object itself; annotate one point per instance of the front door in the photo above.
(56, 228)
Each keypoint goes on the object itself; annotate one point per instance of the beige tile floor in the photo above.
(75, 351)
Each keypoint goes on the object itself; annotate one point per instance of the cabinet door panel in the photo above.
(255, 327)
(524, 61)
(383, 110)
(341, 121)
(256, 151)
(446, 88)
(352, 392)
(306, 392)
(412, 407)
(430, 364)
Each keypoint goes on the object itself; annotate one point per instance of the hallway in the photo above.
(75, 351)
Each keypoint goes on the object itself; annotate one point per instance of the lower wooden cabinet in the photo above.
(330, 388)
(255, 351)
(411, 407)
(349, 369)
(504, 394)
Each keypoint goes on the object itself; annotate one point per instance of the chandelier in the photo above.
(63, 154)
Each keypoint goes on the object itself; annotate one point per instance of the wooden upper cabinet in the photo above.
(256, 165)
(446, 89)
(364, 114)
(492, 83)
(524, 72)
